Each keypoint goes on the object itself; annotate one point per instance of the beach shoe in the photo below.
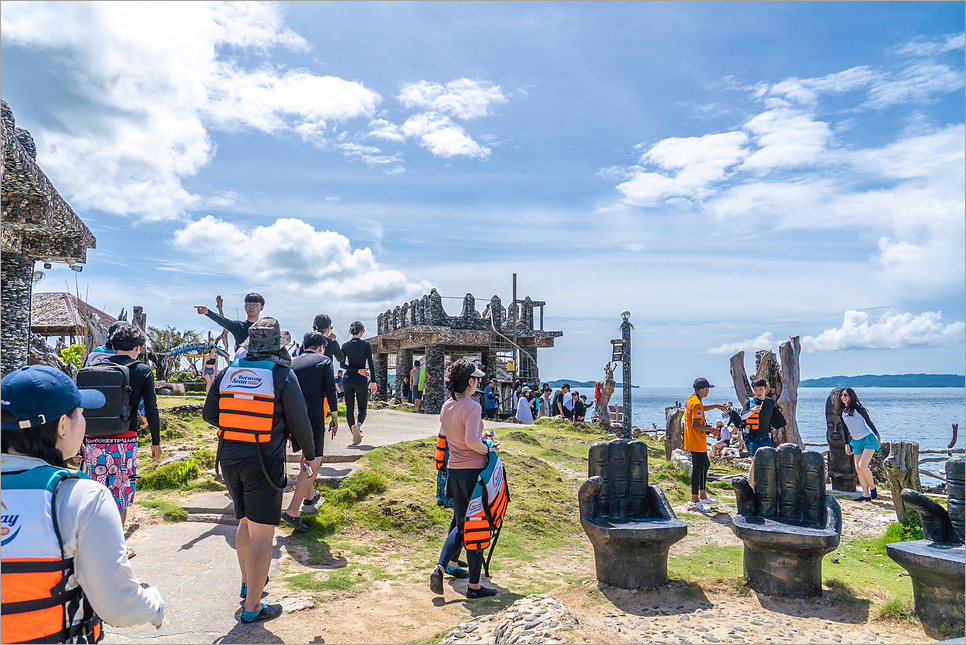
(436, 581)
(356, 435)
(862, 498)
(457, 572)
(244, 588)
(697, 506)
(482, 592)
(873, 493)
(311, 507)
(295, 522)
(708, 500)
(267, 612)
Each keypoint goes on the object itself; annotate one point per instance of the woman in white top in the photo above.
(524, 409)
(862, 440)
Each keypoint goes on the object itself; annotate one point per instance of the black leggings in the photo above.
(459, 488)
(356, 388)
(699, 471)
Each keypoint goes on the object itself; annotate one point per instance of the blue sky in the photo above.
(731, 173)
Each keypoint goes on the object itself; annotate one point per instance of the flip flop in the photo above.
(267, 612)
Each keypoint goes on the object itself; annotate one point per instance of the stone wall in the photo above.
(16, 272)
(435, 393)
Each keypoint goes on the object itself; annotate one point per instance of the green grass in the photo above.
(725, 563)
(170, 510)
(895, 609)
(169, 476)
(865, 571)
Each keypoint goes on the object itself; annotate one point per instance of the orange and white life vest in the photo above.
(246, 401)
(752, 422)
(484, 514)
(33, 571)
(440, 450)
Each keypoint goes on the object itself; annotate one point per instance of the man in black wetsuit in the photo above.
(559, 409)
(254, 304)
(323, 325)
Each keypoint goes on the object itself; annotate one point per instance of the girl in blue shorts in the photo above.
(864, 440)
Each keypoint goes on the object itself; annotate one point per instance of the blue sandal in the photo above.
(267, 612)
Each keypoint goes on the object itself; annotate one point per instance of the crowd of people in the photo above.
(67, 529)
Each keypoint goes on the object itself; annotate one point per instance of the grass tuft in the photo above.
(170, 476)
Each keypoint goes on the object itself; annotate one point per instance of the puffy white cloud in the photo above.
(438, 134)
(786, 138)
(383, 129)
(890, 332)
(699, 162)
(291, 256)
(154, 79)
(750, 346)
(806, 91)
(463, 98)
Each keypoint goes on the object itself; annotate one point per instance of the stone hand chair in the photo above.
(629, 522)
(787, 523)
(936, 564)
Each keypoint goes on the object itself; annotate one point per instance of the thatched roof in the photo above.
(63, 314)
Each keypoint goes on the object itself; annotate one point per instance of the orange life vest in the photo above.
(752, 423)
(246, 401)
(440, 450)
(484, 514)
(33, 572)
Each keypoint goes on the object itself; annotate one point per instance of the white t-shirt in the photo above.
(91, 529)
(856, 424)
(725, 433)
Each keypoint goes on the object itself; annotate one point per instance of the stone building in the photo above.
(422, 327)
(37, 224)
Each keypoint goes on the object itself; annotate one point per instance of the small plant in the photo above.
(840, 592)
(169, 510)
(895, 609)
(177, 475)
(73, 355)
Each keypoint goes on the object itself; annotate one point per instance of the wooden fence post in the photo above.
(902, 471)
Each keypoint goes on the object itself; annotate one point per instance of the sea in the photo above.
(921, 414)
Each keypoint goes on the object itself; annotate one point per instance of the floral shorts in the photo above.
(113, 462)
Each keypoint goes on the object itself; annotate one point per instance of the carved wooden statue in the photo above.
(783, 379)
(841, 466)
(902, 472)
(605, 395)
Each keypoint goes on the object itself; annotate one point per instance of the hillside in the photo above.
(888, 380)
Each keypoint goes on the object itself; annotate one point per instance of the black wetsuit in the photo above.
(237, 328)
(358, 356)
(314, 373)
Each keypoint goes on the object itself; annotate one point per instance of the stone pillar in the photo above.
(626, 377)
(382, 377)
(528, 366)
(434, 396)
(16, 272)
(404, 365)
(435, 315)
(404, 315)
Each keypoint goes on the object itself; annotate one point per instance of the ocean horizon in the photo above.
(924, 415)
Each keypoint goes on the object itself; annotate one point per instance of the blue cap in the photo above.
(37, 394)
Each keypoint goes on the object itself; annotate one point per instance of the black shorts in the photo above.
(253, 496)
(318, 431)
(418, 395)
(491, 413)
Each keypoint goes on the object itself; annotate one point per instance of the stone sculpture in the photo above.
(787, 523)
(629, 522)
(936, 564)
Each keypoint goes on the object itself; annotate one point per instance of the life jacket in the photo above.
(440, 450)
(97, 355)
(33, 572)
(246, 401)
(487, 506)
(752, 423)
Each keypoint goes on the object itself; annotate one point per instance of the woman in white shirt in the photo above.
(524, 410)
(862, 440)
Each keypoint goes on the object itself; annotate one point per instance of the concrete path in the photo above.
(194, 564)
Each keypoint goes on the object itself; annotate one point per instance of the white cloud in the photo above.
(750, 346)
(919, 82)
(806, 91)
(890, 332)
(291, 256)
(922, 47)
(786, 138)
(372, 155)
(699, 162)
(154, 80)
(438, 134)
(385, 130)
(463, 98)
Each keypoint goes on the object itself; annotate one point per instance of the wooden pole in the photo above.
(902, 471)
(791, 376)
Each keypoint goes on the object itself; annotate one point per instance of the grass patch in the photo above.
(171, 511)
(171, 476)
(707, 561)
(895, 609)
(862, 563)
(841, 592)
(341, 579)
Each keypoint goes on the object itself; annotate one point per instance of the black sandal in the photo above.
(267, 612)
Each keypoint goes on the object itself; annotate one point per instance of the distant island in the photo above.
(888, 380)
(576, 384)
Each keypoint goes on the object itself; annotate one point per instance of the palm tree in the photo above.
(160, 342)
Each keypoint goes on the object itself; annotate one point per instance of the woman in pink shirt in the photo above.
(461, 420)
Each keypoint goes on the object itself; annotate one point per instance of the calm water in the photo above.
(924, 415)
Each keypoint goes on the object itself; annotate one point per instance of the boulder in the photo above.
(682, 459)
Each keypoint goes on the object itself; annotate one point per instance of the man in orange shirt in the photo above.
(696, 441)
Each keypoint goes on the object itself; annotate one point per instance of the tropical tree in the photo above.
(160, 344)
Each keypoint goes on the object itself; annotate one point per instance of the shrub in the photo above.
(176, 475)
(73, 355)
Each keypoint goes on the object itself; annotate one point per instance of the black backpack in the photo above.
(114, 382)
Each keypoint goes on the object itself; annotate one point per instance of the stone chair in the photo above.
(787, 523)
(629, 522)
(936, 564)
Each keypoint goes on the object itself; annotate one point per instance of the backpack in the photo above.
(114, 382)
